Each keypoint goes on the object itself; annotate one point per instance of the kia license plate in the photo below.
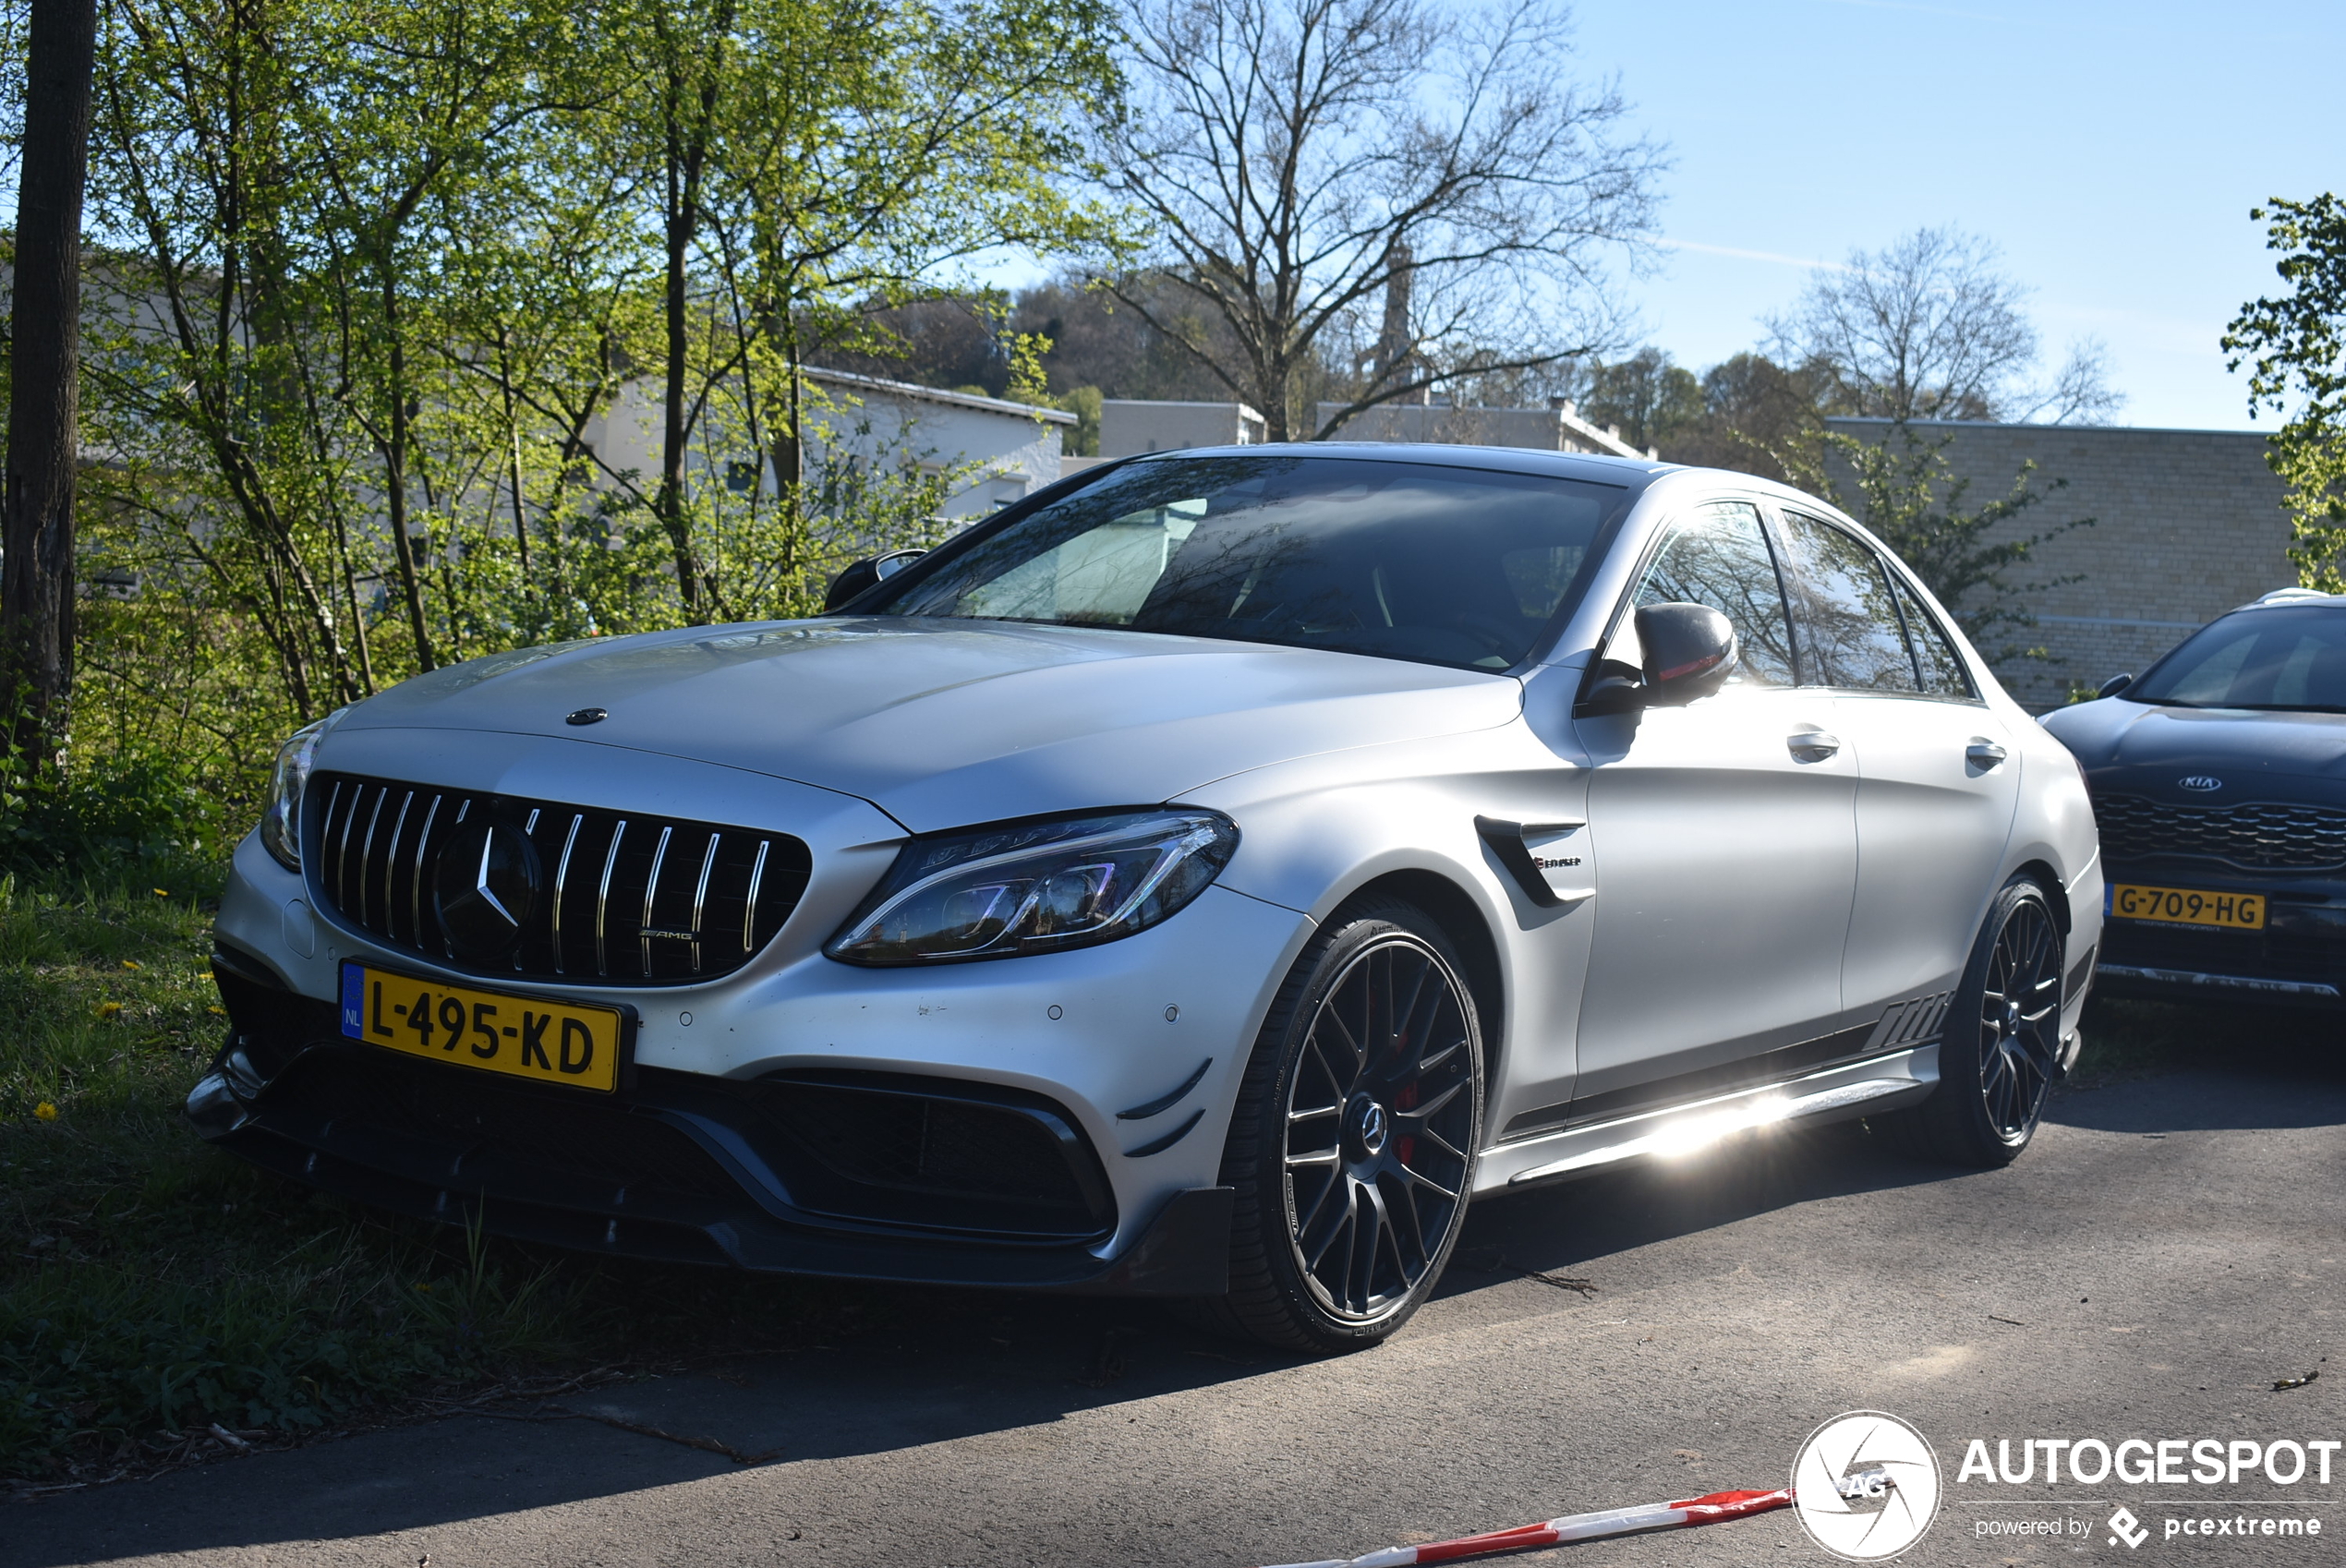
(2184, 906)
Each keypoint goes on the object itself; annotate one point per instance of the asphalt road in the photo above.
(2170, 1248)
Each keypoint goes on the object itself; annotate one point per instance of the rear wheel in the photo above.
(2000, 1053)
(1352, 1146)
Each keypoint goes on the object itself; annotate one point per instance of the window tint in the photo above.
(1942, 671)
(1455, 566)
(1720, 557)
(2287, 657)
(1841, 601)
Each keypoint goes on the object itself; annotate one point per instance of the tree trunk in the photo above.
(394, 452)
(36, 501)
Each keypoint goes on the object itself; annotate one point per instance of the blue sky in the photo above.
(2112, 150)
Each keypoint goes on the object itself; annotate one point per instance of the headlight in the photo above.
(281, 820)
(1037, 888)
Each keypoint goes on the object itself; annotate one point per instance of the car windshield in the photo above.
(2291, 659)
(1455, 566)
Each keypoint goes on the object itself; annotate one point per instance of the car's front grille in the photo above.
(615, 896)
(2255, 835)
(2269, 955)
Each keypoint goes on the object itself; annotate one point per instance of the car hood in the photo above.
(942, 723)
(2251, 755)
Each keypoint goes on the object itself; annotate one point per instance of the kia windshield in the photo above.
(2292, 659)
(1456, 566)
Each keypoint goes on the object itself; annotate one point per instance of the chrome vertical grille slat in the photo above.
(375, 878)
(391, 865)
(561, 883)
(416, 876)
(700, 895)
(651, 891)
(342, 848)
(602, 894)
(749, 908)
(367, 853)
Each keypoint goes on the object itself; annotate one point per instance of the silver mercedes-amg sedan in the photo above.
(1200, 879)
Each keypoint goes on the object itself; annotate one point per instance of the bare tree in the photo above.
(36, 590)
(1404, 193)
(1928, 327)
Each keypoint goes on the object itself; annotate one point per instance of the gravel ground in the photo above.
(2169, 1248)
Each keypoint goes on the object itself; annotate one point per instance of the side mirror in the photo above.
(2114, 685)
(867, 574)
(1690, 650)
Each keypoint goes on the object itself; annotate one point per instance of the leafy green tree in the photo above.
(1902, 487)
(2295, 344)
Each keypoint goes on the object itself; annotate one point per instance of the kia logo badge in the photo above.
(2200, 782)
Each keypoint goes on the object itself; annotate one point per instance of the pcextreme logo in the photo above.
(1865, 1486)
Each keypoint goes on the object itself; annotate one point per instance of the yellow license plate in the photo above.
(2184, 906)
(494, 1031)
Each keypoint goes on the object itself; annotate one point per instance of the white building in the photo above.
(1011, 448)
(1560, 427)
(1139, 425)
(1129, 425)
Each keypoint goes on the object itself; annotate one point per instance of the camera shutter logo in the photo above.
(1866, 1486)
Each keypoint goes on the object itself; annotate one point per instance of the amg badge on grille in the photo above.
(2201, 782)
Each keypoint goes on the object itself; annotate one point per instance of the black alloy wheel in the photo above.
(2000, 1053)
(1353, 1146)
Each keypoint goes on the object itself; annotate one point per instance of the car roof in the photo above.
(1630, 473)
(2290, 595)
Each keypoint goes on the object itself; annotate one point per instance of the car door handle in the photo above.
(1812, 745)
(1984, 754)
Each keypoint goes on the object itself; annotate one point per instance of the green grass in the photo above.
(149, 1284)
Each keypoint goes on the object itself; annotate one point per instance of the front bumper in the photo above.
(2298, 961)
(847, 1176)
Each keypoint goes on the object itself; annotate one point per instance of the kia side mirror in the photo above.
(867, 574)
(2114, 685)
(1690, 650)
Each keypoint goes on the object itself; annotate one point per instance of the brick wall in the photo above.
(2187, 526)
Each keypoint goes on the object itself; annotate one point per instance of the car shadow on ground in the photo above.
(936, 1367)
(947, 1365)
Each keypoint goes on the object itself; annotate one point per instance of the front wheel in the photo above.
(2000, 1053)
(1353, 1148)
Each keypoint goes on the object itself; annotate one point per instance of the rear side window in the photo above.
(1935, 657)
(1846, 612)
(1720, 557)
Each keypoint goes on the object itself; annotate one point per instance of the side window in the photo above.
(1850, 635)
(1720, 557)
(1942, 671)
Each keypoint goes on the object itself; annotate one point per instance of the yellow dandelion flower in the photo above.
(221, 1011)
(130, 963)
(163, 892)
(45, 1111)
(108, 1009)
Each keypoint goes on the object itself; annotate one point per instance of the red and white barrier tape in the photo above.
(1713, 1509)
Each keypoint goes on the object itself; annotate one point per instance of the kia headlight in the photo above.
(281, 819)
(1037, 888)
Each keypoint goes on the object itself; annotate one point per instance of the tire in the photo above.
(1353, 1147)
(2000, 1053)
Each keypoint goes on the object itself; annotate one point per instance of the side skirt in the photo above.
(1861, 1087)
